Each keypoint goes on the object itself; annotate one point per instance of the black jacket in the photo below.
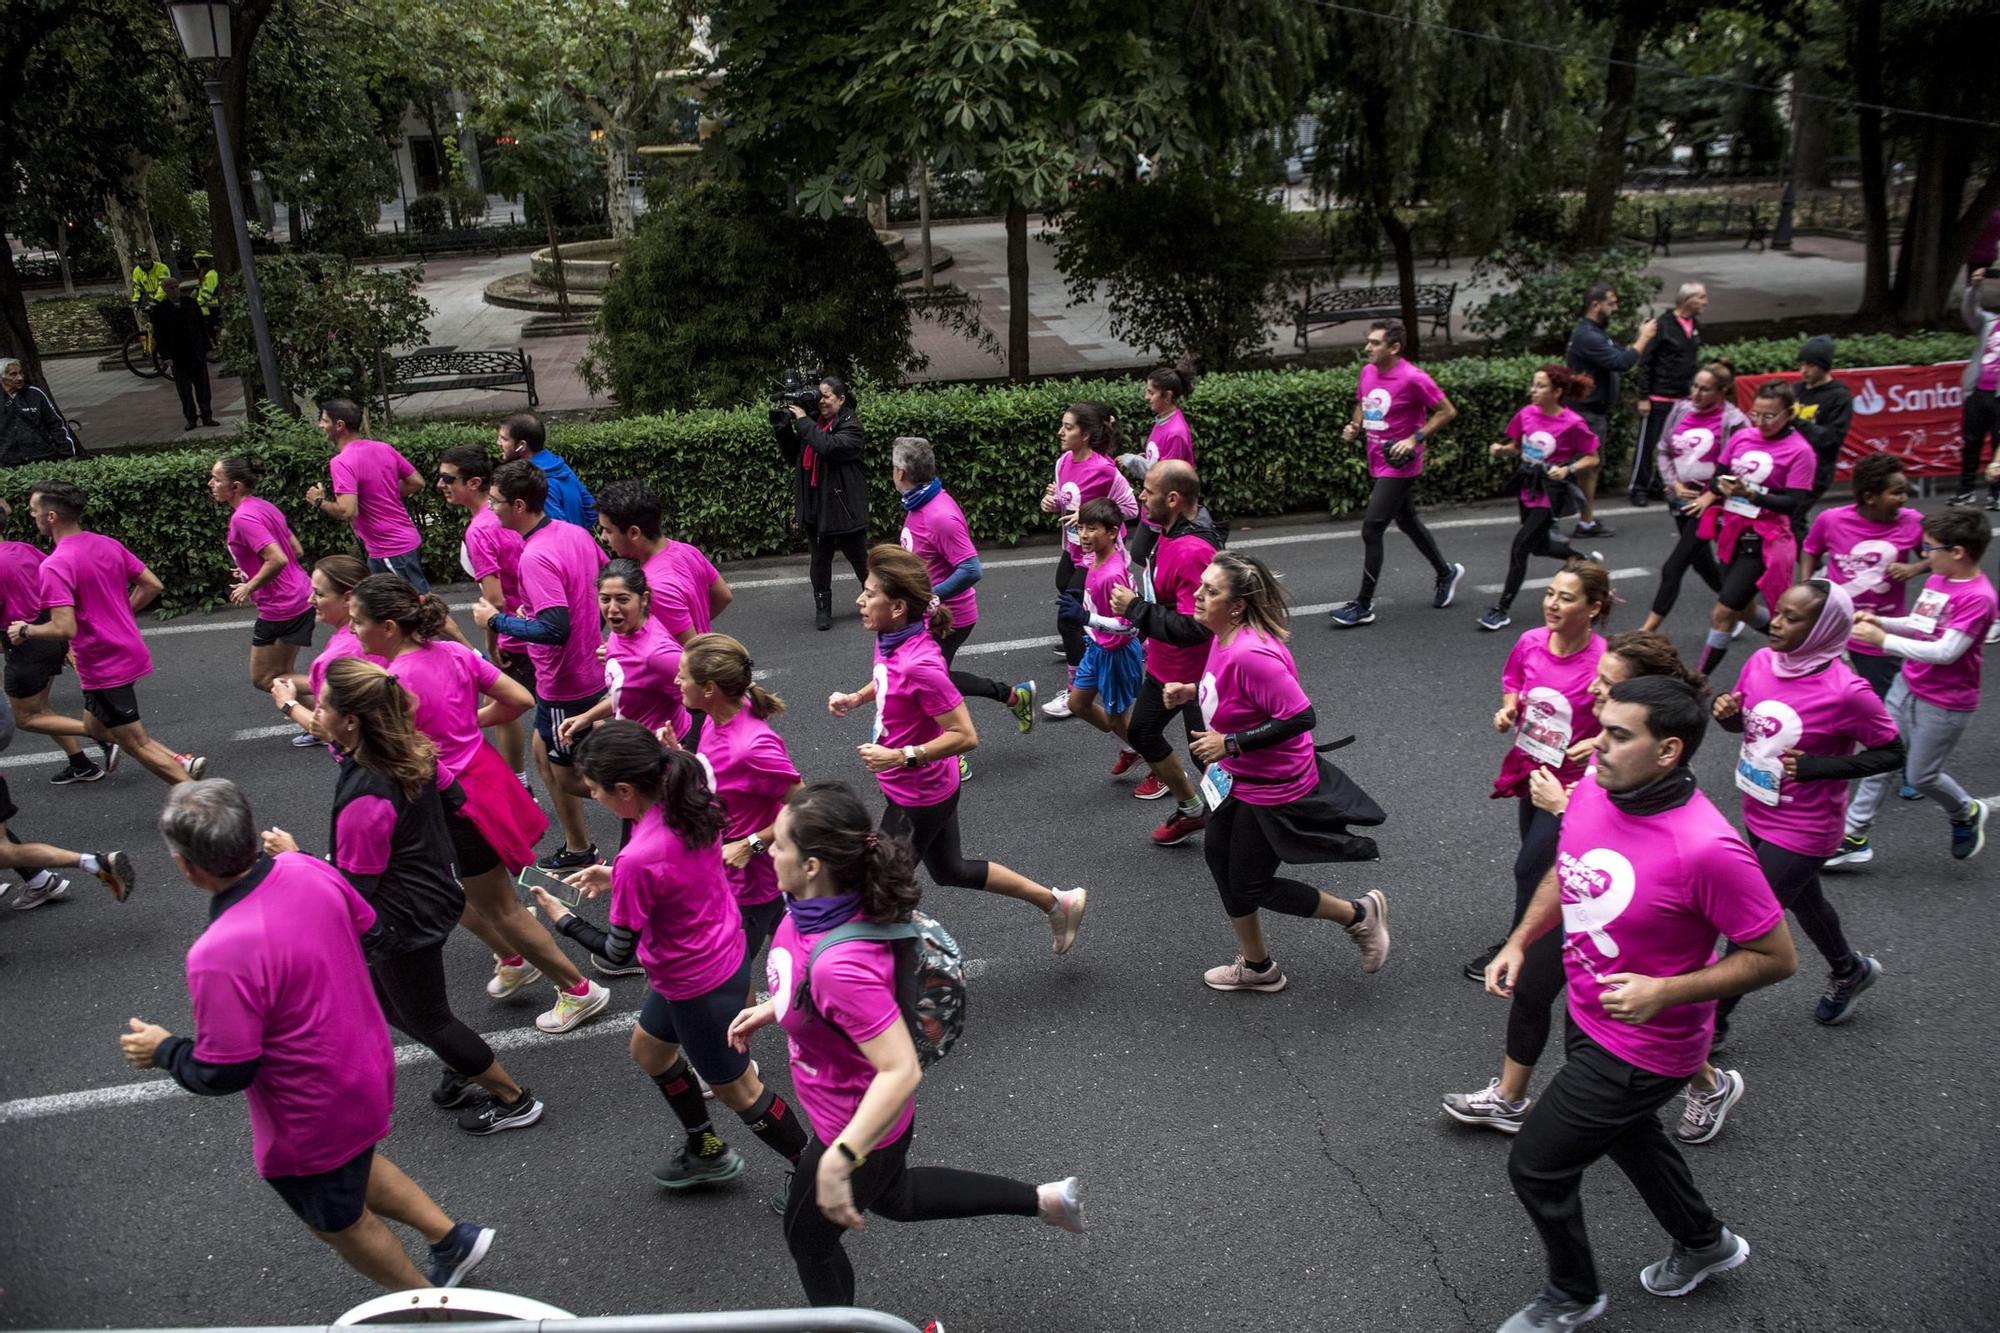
(1594, 350)
(1825, 412)
(832, 493)
(1667, 366)
(180, 332)
(1156, 621)
(416, 897)
(31, 430)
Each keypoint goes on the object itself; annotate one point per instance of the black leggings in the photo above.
(1539, 832)
(1069, 578)
(1982, 419)
(977, 687)
(853, 545)
(1739, 577)
(1393, 500)
(1245, 866)
(886, 1185)
(1537, 535)
(933, 834)
(1691, 551)
(1147, 731)
(1794, 881)
(1879, 670)
(411, 990)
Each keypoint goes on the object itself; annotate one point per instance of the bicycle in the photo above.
(134, 335)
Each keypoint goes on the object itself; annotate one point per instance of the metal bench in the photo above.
(439, 371)
(1346, 305)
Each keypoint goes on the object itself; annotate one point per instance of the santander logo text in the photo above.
(1908, 398)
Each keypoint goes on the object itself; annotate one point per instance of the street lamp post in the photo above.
(205, 39)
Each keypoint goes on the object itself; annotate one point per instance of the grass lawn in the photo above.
(63, 324)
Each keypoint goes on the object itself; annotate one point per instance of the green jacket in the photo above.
(147, 282)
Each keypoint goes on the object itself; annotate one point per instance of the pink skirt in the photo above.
(501, 809)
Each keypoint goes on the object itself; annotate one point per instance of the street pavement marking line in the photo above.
(1050, 641)
(162, 1088)
(259, 733)
(1633, 573)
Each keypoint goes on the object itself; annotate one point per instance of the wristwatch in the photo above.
(853, 1158)
(1418, 435)
(757, 845)
(1230, 745)
(287, 706)
(910, 759)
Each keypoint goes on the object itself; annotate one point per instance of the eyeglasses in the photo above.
(1925, 548)
(1768, 416)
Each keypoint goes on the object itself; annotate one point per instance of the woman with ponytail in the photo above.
(1555, 445)
(1170, 438)
(389, 839)
(853, 1060)
(266, 558)
(333, 582)
(642, 661)
(921, 723)
(493, 822)
(1085, 470)
(672, 908)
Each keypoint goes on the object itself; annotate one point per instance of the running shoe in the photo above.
(1060, 1204)
(195, 764)
(1475, 968)
(1854, 851)
(33, 896)
(1023, 704)
(1180, 827)
(1595, 556)
(508, 978)
(114, 871)
(1058, 707)
(1060, 653)
(1964, 500)
(1993, 634)
(1371, 935)
(1495, 618)
(682, 1171)
(964, 770)
(1065, 916)
(571, 1010)
(1837, 1005)
(1447, 586)
(455, 1090)
(1968, 835)
(110, 752)
(1236, 975)
(1993, 502)
(1151, 788)
(1596, 528)
(1487, 1107)
(71, 773)
(607, 969)
(1639, 499)
(493, 1115)
(1350, 614)
(565, 858)
(1124, 762)
(1704, 1112)
(1908, 793)
(1736, 630)
(1553, 1312)
(459, 1253)
(305, 740)
(1684, 1269)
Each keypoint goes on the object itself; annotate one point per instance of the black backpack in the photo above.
(930, 978)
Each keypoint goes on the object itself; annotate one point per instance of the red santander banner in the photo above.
(1913, 412)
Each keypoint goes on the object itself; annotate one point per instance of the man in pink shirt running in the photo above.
(688, 591)
(371, 480)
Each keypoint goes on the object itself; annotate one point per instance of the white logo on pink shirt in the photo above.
(1865, 566)
(909, 542)
(1152, 453)
(1538, 446)
(1546, 725)
(1205, 694)
(1771, 728)
(707, 769)
(1375, 409)
(1597, 887)
(881, 700)
(778, 979)
(1693, 446)
(1753, 465)
(1069, 496)
(614, 682)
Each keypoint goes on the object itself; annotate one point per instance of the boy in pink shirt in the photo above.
(688, 592)
(371, 480)
(491, 554)
(1114, 663)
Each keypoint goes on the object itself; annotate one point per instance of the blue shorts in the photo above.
(1114, 673)
(409, 567)
(550, 714)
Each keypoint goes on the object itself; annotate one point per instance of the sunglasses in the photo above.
(444, 477)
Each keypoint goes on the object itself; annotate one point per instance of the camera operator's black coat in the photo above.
(834, 501)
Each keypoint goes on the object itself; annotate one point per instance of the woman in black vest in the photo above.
(832, 487)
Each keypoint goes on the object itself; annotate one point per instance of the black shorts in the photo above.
(550, 714)
(115, 707)
(474, 854)
(8, 809)
(33, 666)
(699, 1025)
(760, 922)
(298, 630)
(519, 669)
(329, 1201)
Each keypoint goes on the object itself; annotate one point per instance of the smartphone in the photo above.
(534, 877)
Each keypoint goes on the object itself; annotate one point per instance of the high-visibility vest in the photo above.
(150, 283)
(205, 297)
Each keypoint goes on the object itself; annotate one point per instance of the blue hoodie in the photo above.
(568, 500)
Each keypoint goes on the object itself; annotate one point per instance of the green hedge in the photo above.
(1268, 441)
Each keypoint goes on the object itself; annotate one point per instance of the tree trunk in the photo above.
(16, 337)
(923, 167)
(555, 258)
(62, 258)
(1812, 127)
(131, 226)
(618, 195)
(1404, 247)
(1866, 57)
(1917, 299)
(1607, 160)
(1017, 289)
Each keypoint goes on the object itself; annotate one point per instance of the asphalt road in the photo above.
(1271, 1161)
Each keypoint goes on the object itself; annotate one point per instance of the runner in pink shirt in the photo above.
(921, 721)
(91, 587)
(491, 554)
(853, 1059)
(1085, 470)
(1398, 408)
(334, 579)
(1271, 799)
(642, 661)
(32, 667)
(285, 1013)
(1870, 549)
(687, 591)
(1647, 874)
(371, 480)
(1169, 439)
(672, 909)
(1691, 439)
(267, 560)
(1114, 661)
(1554, 445)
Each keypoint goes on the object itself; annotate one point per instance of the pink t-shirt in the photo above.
(253, 525)
(279, 978)
(751, 773)
(912, 690)
(1695, 444)
(1968, 607)
(559, 565)
(1830, 713)
(680, 902)
(1554, 712)
(1394, 404)
(1552, 441)
(1858, 553)
(342, 644)
(1170, 581)
(94, 574)
(1786, 463)
(447, 680)
(491, 549)
(20, 582)
(1170, 438)
(1105, 573)
(853, 1000)
(679, 576)
(1989, 360)
(1079, 480)
(936, 533)
(639, 672)
(372, 472)
(1249, 680)
(1648, 894)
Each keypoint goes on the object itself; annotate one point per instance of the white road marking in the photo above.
(1051, 640)
(259, 733)
(1633, 573)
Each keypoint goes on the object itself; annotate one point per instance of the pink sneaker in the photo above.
(1371, 936)
(1178, 828)
(1123, 764)
(1152, 789)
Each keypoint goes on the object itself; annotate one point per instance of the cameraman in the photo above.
(832, 486)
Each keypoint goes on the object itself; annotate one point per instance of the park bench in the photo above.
(1345, 305)
(436, 371)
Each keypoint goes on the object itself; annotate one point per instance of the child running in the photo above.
(1114, 662)
(1084, 472)
(1870, 549)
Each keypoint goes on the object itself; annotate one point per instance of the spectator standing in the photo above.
(371, 480)
(31, 428)
(1663, 377)
(831, 487)
(181, 335)
(1982, 378)
(1592, 349)
(1824, 413)
(524, 436)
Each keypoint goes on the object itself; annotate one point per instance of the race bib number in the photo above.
(1926, 615)
(1543, 733)
(1758, 776)
(1742, 507)
(1215, 785)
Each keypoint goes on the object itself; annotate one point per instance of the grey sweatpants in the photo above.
(1930, 733)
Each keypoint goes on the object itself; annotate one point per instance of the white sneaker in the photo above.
(1066, 916)
(1058, 707)
(506, 980)
(571, 1010)
(1993, 634)
(52, 888)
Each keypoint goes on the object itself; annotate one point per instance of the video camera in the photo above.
(800, 389)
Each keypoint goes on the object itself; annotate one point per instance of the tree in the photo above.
(1632, 24)
(331, 323)
(542, 152)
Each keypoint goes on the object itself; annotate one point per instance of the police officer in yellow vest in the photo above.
(207, 296)
(149, 277)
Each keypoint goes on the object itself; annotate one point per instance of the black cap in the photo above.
(1817, 351)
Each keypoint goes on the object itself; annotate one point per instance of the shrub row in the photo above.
(1268, 443)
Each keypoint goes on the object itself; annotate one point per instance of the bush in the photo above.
(427, 213)
(329, 320)
(1268, 442)
(1548, 287)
